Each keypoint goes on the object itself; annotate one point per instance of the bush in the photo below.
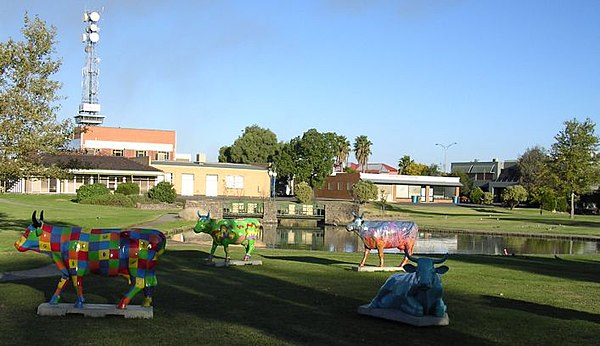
(163, 192)
(91, 190)
(364, 191)
(116, 200)
(128, 189)
(304, 193)
(562, 204)
(488, 198)
(476, 195)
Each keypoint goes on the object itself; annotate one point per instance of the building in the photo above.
(376, 168)
(89, 169)
(491, 176)
(216, 179)
(125, 142)
(394, 187)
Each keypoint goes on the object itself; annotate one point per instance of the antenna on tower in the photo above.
(89, 108)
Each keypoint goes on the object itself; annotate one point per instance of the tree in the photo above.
(415, 169)
(364, 191)
(466, 181)
(309, 158)
(255, 145)
(533, 168)
(545, 197)
(28, 103)
(513, 195)
(404, 162)
(362, 150)
(304, 193)
(487, 198)
(574, 159)
(342, 151)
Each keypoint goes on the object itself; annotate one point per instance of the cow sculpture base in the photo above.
(400, 316)
(95, 310)
(232, 263)
(358, 268)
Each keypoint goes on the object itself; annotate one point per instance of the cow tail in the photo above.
(162, 246)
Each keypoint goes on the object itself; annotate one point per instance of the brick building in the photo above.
(125, 142)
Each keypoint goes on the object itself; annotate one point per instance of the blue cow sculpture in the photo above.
(417, 293)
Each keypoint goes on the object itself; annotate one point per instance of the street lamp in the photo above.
(445, 150)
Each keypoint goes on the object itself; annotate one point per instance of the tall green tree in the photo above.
(342, 151)
(534, 169)
(574, 158)
(362, 150)
(28, 102)
(404, 162)
(309, 158)
(513, 195)
(255, 145)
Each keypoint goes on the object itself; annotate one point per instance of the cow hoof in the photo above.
(78, 305)
(54, 300)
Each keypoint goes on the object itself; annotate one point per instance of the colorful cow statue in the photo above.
(132, 253)
(418, 292)
(229, 231)
(382, 235)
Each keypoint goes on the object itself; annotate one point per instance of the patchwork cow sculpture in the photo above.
(132, 253)
(418, 292)
(229, 231)
(382, 235)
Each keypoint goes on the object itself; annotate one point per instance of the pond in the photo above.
(337, 239)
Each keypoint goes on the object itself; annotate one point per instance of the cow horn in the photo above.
(414, 259)
(199, 215)
(42, 216)
(441, 260)
(34, 220)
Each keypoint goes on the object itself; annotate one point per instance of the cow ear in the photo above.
(38, 232)
(410, 268)
(442, 269)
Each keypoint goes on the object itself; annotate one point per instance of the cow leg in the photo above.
(410, 252)
(151, 282)
(412, 306)
(362, 263)
(212, 251)
(61, 286)
(249, 250)
(226, 250)
(78, 284)
(380, 252)
(138, 285)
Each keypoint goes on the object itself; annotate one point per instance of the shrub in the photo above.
(364, 191)
(116, 200)
(513, 195)
(562, 204)
(476, 195)
(163, 192)
(487, 198)
(304, 193)
(128, 189)
(91, 190)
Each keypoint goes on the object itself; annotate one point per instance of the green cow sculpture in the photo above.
(229, 231)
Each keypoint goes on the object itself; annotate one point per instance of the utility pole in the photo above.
(445, 150)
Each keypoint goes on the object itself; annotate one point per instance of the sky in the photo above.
(496, 77)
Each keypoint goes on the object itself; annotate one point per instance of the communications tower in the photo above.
(89, 108)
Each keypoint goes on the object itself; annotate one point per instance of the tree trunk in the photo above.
(572, 205)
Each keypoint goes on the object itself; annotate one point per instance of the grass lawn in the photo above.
(311, 297)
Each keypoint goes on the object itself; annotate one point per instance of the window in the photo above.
(117, 152)
(162, 155)
(234, 182)
(141, 153)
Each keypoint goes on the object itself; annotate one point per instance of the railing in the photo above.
(254, 209)
(296, 210)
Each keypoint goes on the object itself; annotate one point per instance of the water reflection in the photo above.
(337, 239)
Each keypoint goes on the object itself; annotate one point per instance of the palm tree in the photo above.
(343, 150)
(362, 150)
(404, 162)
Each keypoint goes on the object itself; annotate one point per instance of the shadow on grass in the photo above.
(541, 309)
(236, 306)
(558, 222)
(433, 212)
(309, 259)
(551, 266)
(9, 223)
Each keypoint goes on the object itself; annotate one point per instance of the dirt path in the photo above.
(46, 271)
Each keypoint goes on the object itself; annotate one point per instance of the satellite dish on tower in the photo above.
(93, 27)
(94, 37)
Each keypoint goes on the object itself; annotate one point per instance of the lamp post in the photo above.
(445, 150)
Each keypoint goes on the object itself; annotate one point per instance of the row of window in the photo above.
(161, 155)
